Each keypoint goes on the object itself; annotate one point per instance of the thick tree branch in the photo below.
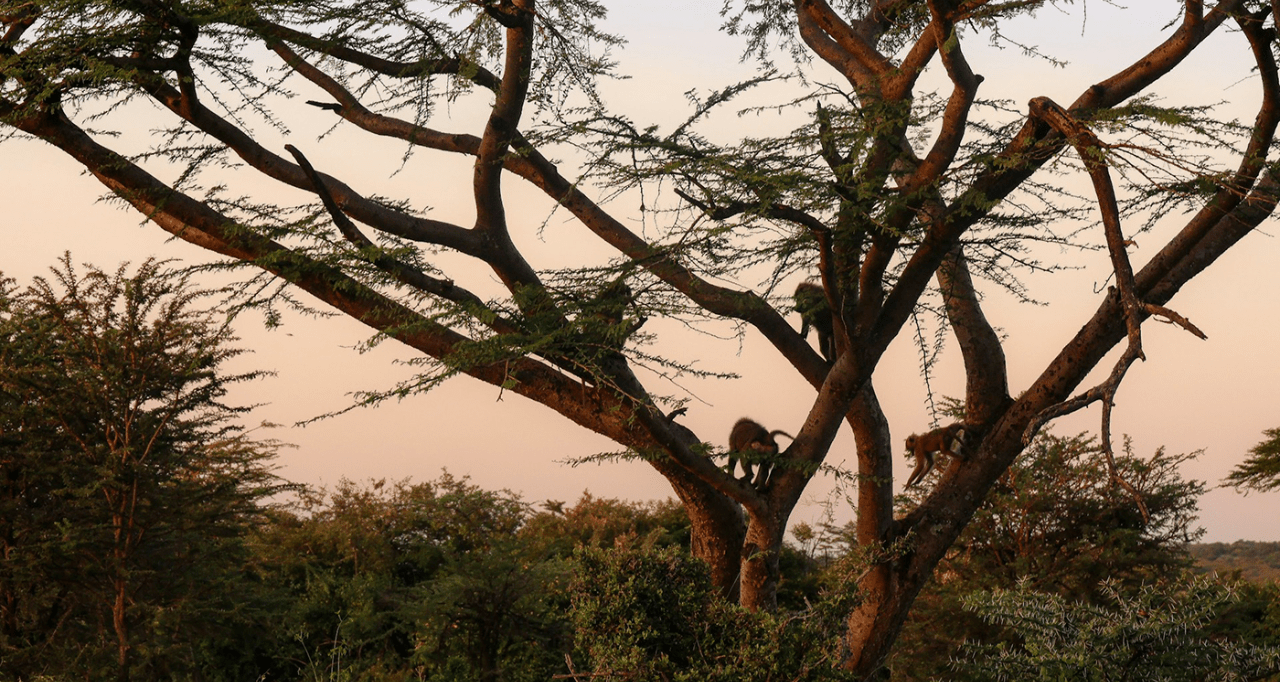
(835, 54)
(913, 64)
(986, 375)
(276, 167)
(195, 222)
(501, 130)
(955, 120)
(18, 21)
(824, 18)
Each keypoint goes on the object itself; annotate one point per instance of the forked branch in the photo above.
(1092, 153)
(401, 271)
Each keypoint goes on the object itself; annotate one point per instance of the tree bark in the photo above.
(874, 531)
(761, 556)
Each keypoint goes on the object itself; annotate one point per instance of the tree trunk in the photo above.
(760, 564)
(874, 528)
(718, 532)
(121, 629)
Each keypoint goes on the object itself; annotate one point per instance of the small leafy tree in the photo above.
(1261, 470)
(392, 581)
(1055, 523)
(126, 485)
(648, 614)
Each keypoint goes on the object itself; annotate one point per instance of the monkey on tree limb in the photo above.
(605, 323)
(811, 303)
(749, 437)
(924, 445)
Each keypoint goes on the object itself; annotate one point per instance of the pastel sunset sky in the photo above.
(1217, 395)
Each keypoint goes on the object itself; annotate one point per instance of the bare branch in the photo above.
(1172, 317)
(986, 375)
(400, 270)
(274, 166)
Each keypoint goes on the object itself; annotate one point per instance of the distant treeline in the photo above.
(1257, 562)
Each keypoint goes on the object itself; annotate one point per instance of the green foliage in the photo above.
(126, 489)
(600, 522)
(1261, 470)
(438, 581)
(1057, 524)
(1157, 633)
(652, 614)
(1254, 617)
(412, 581)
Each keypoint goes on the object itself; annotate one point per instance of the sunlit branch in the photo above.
(825, 18)
(1091, 151)
(986, 374)
(955, 119)
(500, 131)
(834, 54)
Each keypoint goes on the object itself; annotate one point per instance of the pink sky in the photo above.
(1217, 395)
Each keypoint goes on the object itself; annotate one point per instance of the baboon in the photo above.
(611, 304)
(924, 445)
(605, 323)
(811, 303)
(748, 436)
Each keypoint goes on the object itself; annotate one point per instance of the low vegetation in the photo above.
(145, 537)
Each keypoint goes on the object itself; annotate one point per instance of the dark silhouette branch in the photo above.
(402, 271)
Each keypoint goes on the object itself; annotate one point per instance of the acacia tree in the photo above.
(890, 195)
(126, 490)
(1261, 469)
